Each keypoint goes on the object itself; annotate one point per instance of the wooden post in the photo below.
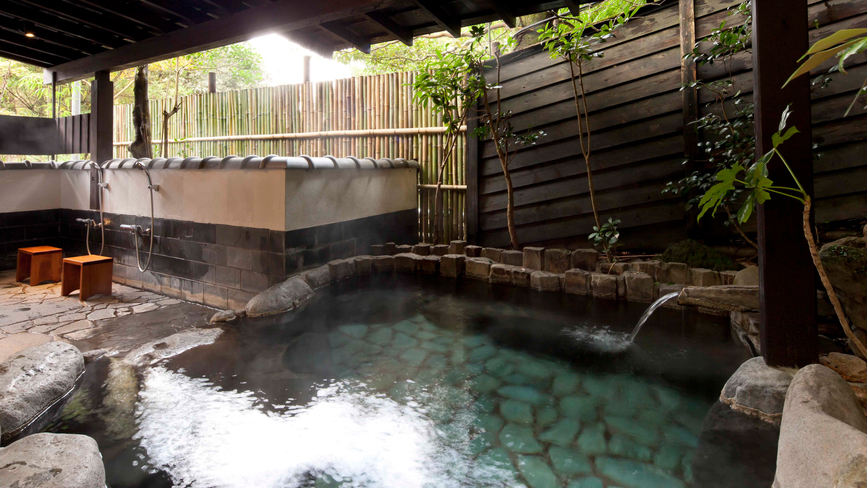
(688, 74)
(54, 103)
(786, 274)
(212, 82)
(101, 127)
(306, 69)
(472, 167)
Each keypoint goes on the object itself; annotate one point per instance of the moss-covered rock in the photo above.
(698, 255)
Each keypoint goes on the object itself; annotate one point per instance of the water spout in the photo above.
(647, 313)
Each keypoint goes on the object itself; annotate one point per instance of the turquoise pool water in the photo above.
(418, 384)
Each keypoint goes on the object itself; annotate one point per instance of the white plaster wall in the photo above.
(244, 198)
(272, 199)
(324, 197)
(29, 189)
(74, 189)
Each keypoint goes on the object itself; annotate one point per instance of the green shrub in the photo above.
(699, 256)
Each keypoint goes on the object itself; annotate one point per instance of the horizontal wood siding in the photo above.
(637, 121)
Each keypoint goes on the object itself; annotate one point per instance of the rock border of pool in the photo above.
(803, 403)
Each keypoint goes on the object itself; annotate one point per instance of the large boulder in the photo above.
(730, 298)
(757, 389)
(823, 436)
(33, 380)
(851, 368)
(281, 298)
(845, 261)
(171, 346)
(317, 277)
(52, 461)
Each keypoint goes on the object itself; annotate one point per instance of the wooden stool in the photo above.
(42, 263)
(90, 274)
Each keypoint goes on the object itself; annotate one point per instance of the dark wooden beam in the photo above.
(505, 12)
(689, 99)
(574, 6)
(280, 16)
(307, 42)
(786, 275)
(101, 127)
(347, 35)
(392, 27)
(446, 22)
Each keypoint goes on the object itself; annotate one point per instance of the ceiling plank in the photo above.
(505, 12)
(445, 21)
(56, 23)
(390, 26)
(182, 10)
(31, 53)
(142, 14)
(38, 45)
(23, 59)
(281, 15)
(84, 48)
(347, 35)
(104, 22)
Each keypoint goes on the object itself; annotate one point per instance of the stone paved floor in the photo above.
(31, 315)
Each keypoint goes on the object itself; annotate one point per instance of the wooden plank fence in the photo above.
(369, 116)
(637, 114)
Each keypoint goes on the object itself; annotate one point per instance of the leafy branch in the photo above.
(760, 188)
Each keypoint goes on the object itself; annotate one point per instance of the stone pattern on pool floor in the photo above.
(521, 418)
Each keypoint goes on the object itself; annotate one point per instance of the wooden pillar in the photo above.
(101, 127)
(212, 82)
(305, 73)
(786, 274)
(689, 99)
(472, 177)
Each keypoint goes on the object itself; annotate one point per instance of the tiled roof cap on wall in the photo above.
(229, 162)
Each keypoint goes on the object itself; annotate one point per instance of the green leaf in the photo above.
(834, 39)
(852, 50)
(817, 59)
(779, 139)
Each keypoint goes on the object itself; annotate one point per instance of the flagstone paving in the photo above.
(32, 315)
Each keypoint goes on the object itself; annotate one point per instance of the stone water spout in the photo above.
(647, 313)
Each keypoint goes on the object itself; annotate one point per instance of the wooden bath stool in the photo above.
(41, 263)
(90, 274)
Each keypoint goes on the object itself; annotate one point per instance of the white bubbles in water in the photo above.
(601, 339)
(206, 437)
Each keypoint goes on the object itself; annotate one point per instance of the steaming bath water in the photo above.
(417, 384)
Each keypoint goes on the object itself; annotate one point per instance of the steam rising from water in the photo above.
(205, 437)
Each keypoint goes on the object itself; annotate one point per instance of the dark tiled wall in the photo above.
(225, 266)
(26, 229)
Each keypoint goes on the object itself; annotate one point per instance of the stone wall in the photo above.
(26, 229)
(221, 265)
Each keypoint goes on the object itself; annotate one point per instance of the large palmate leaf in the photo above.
(815, 60)
(717, 193)
(834, 39)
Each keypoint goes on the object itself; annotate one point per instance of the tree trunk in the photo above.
(141, 116)
(510, 209)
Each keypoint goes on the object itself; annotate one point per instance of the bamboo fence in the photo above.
(368, 116)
